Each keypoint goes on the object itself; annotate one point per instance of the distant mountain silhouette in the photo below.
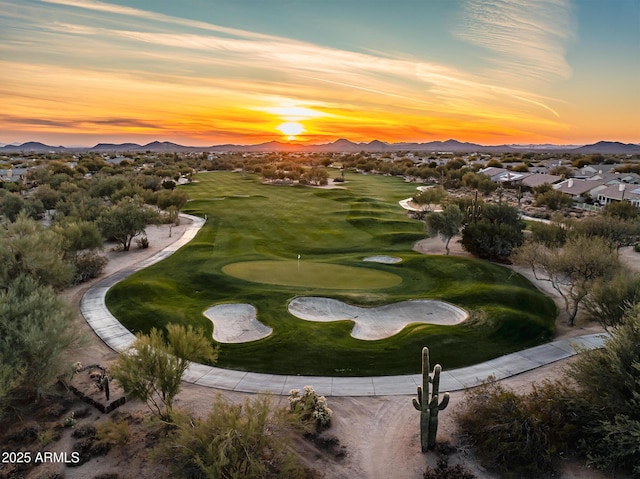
(31, 146)
(611, 147)
(115, 147)
(341, 146)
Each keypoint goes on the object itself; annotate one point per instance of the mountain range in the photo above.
(339, 146)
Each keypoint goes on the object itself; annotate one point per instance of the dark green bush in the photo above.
(607, 405)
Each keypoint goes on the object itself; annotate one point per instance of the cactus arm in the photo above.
(445, 402)
(417, 405)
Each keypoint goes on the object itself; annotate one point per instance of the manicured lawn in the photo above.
(247, 253)
(307, 274)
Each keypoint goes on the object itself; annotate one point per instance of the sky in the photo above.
(211, 72)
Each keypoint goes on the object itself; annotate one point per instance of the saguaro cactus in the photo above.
(429, 407)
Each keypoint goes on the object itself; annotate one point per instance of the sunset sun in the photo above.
(291, 129)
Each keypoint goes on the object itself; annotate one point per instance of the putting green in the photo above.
(312, 275)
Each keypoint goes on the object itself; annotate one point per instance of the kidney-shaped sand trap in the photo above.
(379, 322)
(236, 323)
(383, 259)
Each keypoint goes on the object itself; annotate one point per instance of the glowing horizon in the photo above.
(81, 72)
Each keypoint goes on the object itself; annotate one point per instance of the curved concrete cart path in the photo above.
(119, 338)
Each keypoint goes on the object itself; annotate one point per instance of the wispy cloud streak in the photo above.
(526, 38)
(199, 69)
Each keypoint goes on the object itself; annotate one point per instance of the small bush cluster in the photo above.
(596, 415)
(249, 440)
(311, 408)
(97, 441)
(444, 471)
(48, 436)
(520, 436)
(606, 404)
(143, 242)
(113, 433)
(88, 265)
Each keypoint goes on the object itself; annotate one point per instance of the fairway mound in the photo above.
(379, 322)
(236, 323)
(383, 259)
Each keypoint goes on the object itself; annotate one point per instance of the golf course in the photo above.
(270, 245)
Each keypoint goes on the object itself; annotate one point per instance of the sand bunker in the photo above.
(383, 259)
(379, 322)
(236, 323)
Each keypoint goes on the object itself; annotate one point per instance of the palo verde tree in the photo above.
(125, 220)
(22, 254)
(152, 369)
(572, 270)
(447, 223)
(34, 333)
(610, 299)
(619, 231)
(430, 196)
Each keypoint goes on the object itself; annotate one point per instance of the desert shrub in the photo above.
(55, 410)
(554, 200)
(50, 475)
(113, 433)
(495, 234)
(444, 471)
(82, 412)
(551, 235)
(89, 264)
(312, 409)
(25, 435)
(521, 168)
(48, 436)
(143, 242)
(249, 440)
(86, 430)
(521, 436)
(607, 404)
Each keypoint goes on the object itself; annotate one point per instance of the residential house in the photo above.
(13, 175)
(579, 189)
(493, 172)
(620, 192)
(538, 179)
(610, 178)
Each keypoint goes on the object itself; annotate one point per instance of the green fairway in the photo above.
(247, 253)
(304, 274)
